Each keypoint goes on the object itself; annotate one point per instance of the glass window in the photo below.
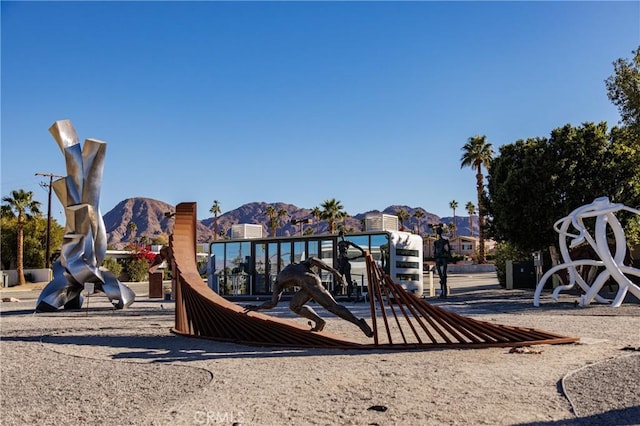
(285, 254)
(326, 252)
(380, 250)
(219, 276)
(238, 257)
(260, 269)
(272, 264)
(312, 248)
(299, 252)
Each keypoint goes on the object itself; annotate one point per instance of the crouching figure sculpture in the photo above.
(85, 239)
(603, 211)
(301, 275)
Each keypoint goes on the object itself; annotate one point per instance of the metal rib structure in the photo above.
(400, 319)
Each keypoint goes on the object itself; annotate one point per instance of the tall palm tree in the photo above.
(317, 214)
(282, 217)
(22, 204)
(477, 152)
(419, 214)
(132, 227)
(471, 210)
(453, 205)
(215, 210)
(332, 213)
(272, 214)
(402, 215)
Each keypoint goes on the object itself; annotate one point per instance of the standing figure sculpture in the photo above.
(85, 239)
(344, 264)
(442, 254)
(301, 275)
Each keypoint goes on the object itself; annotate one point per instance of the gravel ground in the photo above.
(100, 366)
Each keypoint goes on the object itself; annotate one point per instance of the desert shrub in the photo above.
(506, 251)
(112, 265)
(137, 269)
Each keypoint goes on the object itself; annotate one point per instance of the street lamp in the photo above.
(301, 222)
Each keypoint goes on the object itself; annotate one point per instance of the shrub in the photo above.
(137, 269)
(112, 265)
(506, 251)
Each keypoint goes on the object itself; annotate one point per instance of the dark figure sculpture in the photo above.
(442, 254)
(301, 275)
(344, 267)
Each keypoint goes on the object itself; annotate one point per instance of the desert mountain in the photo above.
(151, 222)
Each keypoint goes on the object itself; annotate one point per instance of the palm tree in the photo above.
(132, 227)
(272, 214)
(317, 214)
(332, 213)
(453, 205)
(282, 216)
(419, 214)
(402, 215)
(214, 210)
(22, 204)
(477, 152)
(471, 209)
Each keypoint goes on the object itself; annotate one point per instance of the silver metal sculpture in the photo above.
(85, 239)
(603, 211)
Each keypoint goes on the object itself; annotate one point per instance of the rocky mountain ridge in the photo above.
(153, 221)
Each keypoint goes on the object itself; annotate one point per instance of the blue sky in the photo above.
(369, 103)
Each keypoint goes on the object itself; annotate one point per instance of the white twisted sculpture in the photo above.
(603, 210)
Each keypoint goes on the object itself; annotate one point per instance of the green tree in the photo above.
(623, 89)
(132, 227)
(477, 152)
(276, 217)
(402, 215)
(419, 214)
(317, 214)
(453, 205)
(215, 210)
(272, 215)
(23, 206)
(536, 182)
(332, 212)
(471, 210)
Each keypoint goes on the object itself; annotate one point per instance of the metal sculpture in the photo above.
(85, 239)
(603, 211)
(442, 255)
(302, 276)
(202, 313)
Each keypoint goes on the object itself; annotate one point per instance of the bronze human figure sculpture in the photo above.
(442, 254)
(301, 275)
(344, 265)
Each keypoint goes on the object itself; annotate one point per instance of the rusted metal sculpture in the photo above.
(406, 321)
(85, 238)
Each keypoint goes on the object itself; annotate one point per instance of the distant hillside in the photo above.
(149, 216)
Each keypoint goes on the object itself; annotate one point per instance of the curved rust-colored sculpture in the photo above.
(410, 321)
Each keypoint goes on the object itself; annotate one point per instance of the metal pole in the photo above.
(47, 259)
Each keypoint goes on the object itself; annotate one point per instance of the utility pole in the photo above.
(47, 255)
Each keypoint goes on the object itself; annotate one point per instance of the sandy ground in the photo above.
(101, 366)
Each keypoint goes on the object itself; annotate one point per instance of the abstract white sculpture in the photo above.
(603, 210)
